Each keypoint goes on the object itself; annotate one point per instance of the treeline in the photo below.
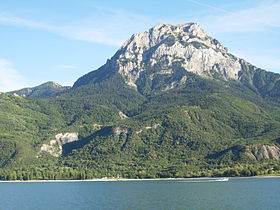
(236, 171)
(65, 173)
(46, 174)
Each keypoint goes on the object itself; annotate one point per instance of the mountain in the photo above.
(46, 90)
(153, 54)
(172, 102)
(160, 58)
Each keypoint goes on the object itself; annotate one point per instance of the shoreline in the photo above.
(126, 179)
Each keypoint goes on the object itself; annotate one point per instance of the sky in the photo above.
(61, 40)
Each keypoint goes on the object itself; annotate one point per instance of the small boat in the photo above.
(222, 179)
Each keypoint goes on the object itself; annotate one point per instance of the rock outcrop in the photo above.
(54, 147)
(116, 131)
(263, 152)
(148, 128)
(122, 115)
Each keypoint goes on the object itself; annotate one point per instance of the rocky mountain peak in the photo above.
(188, 28)
(169, 53)
(162, 31)
(166, 34)
(166, 44)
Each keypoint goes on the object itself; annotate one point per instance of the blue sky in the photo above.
(62, 40)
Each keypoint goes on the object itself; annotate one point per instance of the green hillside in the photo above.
(46, 90)
(174, 105)
(202, 127)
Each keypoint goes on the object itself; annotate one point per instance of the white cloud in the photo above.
(63, 66)
(10, 78)
(106, 26)
(263, 17)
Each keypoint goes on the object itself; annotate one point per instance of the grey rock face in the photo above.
(186, 44)
(54, 147)
(263, 152)
(116, 131)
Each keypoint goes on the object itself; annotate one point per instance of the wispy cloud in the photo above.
(9, 19)
(265, 16)
(106, 26)
(207, 5)
(10, 78)
(114, 26)
(63, 66)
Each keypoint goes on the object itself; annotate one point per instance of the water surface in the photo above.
(246, 193)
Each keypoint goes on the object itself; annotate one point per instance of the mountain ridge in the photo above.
(45, 90)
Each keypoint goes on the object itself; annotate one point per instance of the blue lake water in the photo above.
(246, 193)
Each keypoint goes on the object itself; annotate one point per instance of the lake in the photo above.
(239, 193)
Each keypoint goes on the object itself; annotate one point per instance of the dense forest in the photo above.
(202, 129)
